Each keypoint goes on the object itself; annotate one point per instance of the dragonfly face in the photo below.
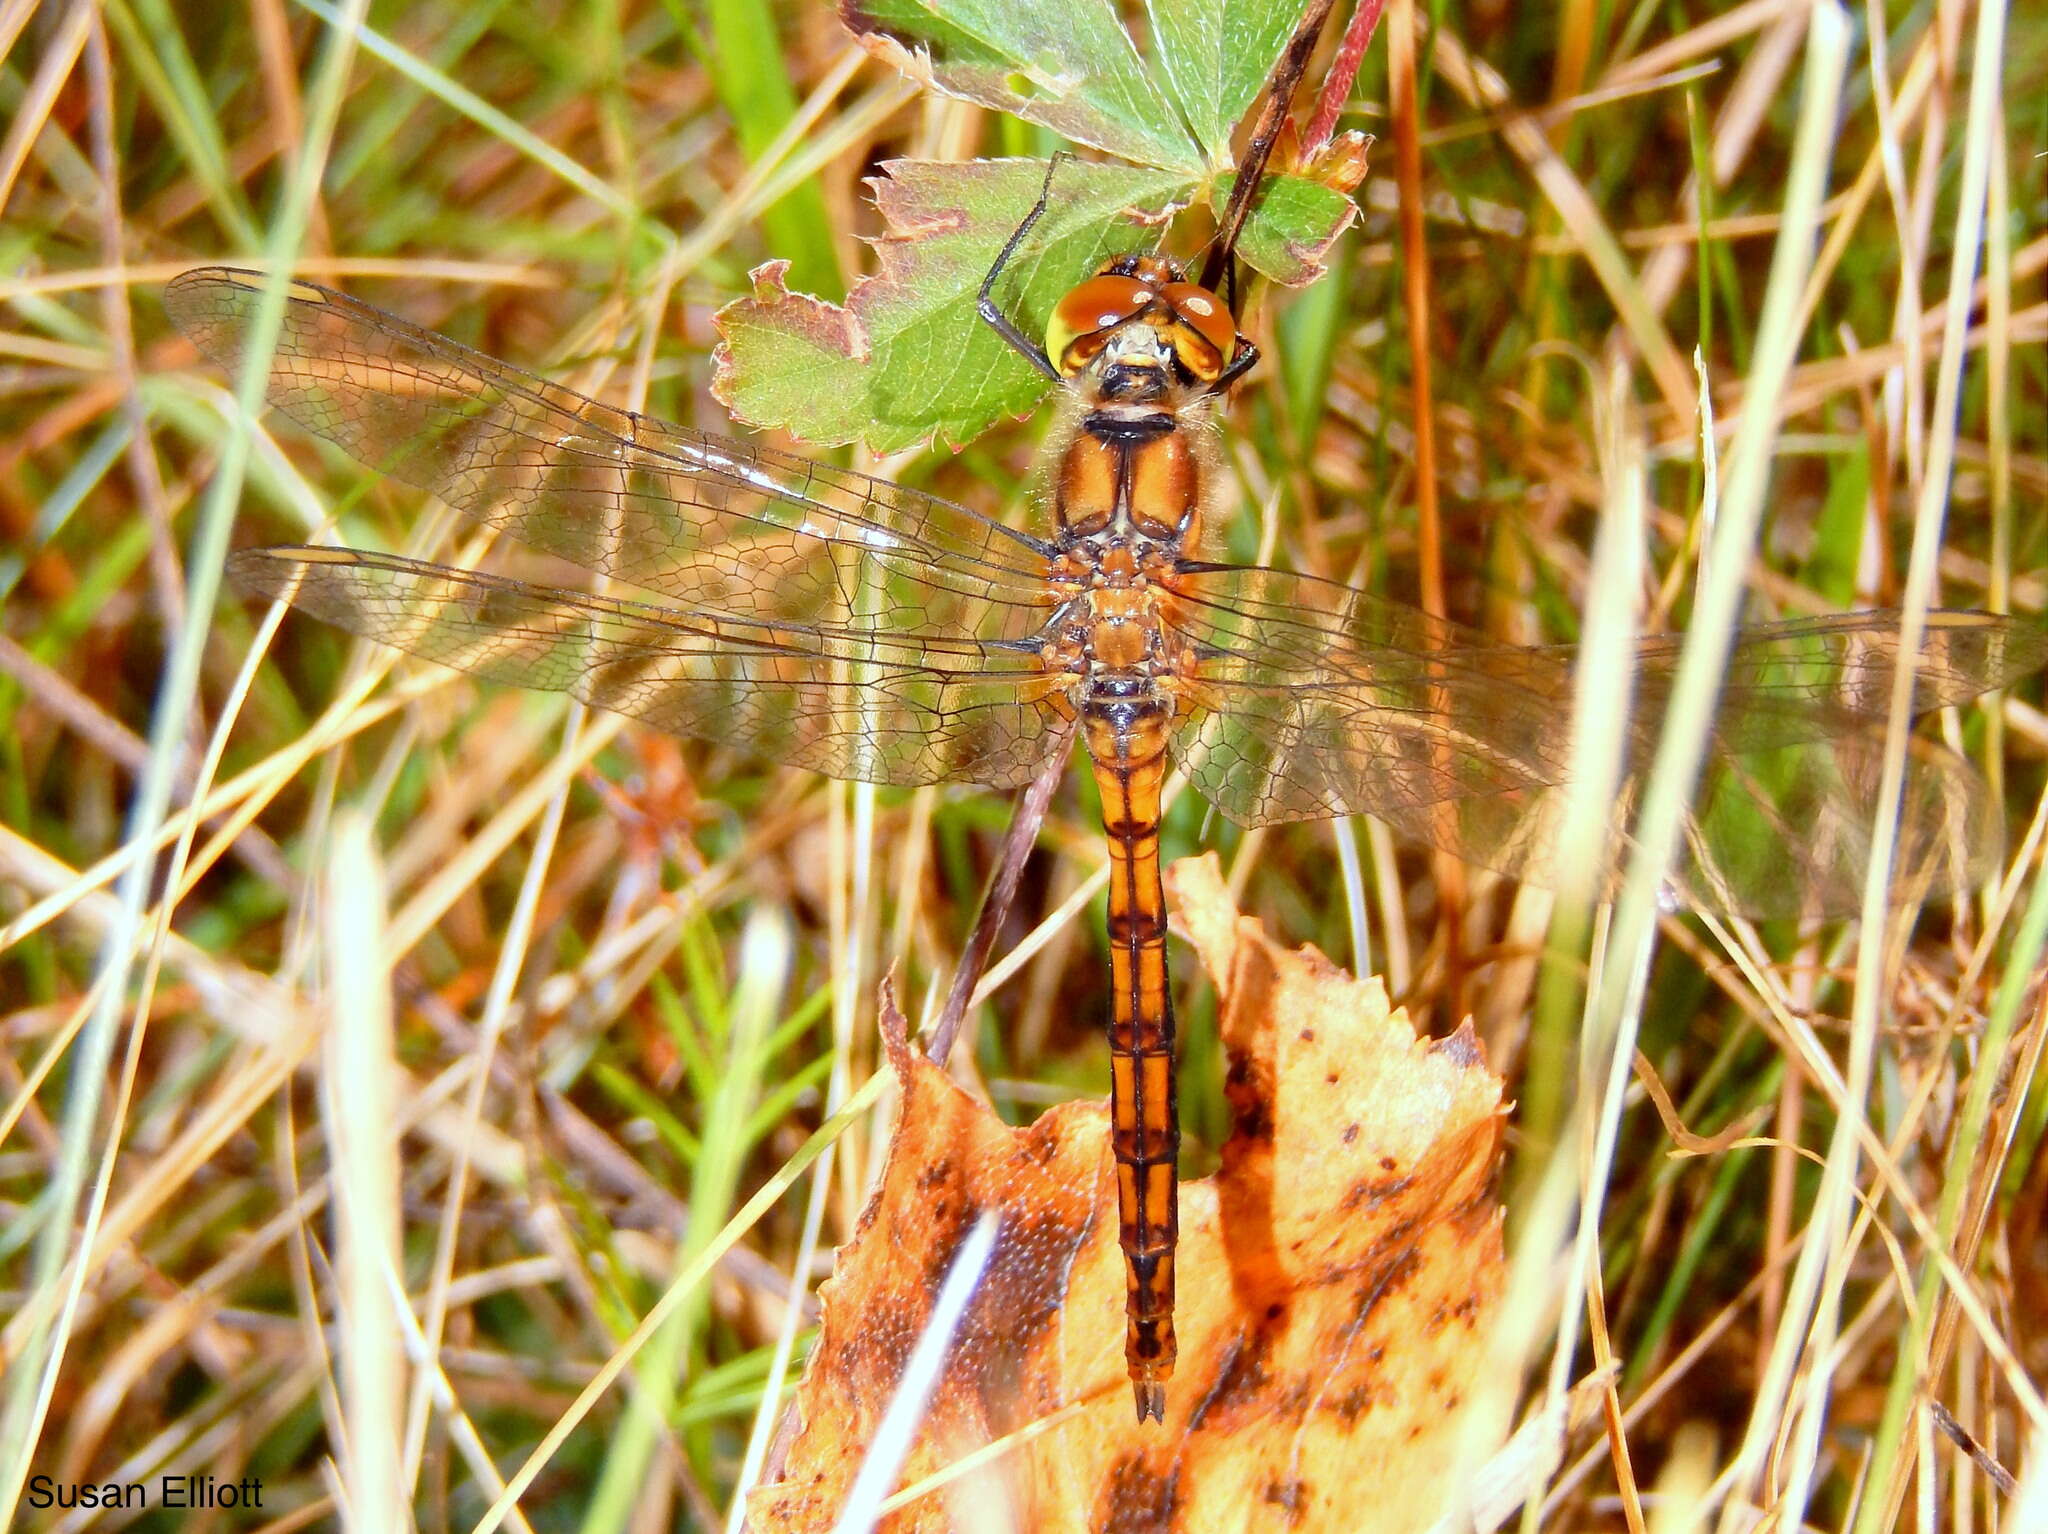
(866, 630)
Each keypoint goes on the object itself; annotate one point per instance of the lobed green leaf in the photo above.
(907, 358)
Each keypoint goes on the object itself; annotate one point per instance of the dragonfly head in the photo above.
(1139, 323)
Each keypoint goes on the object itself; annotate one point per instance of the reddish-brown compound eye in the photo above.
(1088, 312)
(1205, 334)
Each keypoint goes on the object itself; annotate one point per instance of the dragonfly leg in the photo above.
(1247, 354)
(985, 303)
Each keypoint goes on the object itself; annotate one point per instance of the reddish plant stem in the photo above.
(1404, 108)
(1343, 74)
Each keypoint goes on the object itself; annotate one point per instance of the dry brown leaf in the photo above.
(1336, 1274)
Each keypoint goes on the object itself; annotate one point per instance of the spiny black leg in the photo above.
(985, 304)
(1247, 354)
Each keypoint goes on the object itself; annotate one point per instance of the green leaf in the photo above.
(1067, 65)
(1215, 56)
(907, 358)
(1291, 228)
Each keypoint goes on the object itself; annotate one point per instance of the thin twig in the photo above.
(995, 905)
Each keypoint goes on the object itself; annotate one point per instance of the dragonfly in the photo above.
(867, 630)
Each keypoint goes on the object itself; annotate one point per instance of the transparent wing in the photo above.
(705, 520)
(1317, 700)
(847, 702)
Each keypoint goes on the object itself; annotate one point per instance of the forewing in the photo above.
(1805, 679)
(847, 702)
(1314, 700)
(710, 522)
